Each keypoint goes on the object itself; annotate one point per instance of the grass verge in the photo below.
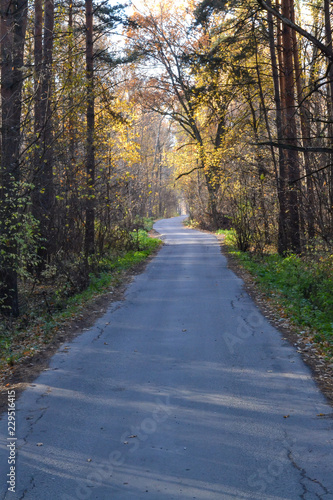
(299, 287)
(19, 343)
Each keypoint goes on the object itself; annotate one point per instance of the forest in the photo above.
(113, 115)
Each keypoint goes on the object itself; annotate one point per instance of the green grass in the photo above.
(17, 342)
(229, 236)
(145, 222)
(300, 287)
(111, 274)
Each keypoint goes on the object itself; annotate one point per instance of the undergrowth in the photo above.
(59, 301)
(300, 287)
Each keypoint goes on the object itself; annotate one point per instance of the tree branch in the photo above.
(311, 173)
(325, 50)
(295, 148)
(187, 144)
(188, 173)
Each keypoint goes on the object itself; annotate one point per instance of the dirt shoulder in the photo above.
(17, 377)
(322, 371)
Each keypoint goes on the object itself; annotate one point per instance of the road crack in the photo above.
(306, 481)
(34, 419)
(101, 331)
(31, 486)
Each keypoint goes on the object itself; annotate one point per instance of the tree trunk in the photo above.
(43, 195)
(306, 132)
(71, 122)
(279, 91)
(291, 170)
(71, 199)
(212, 200)
(13, 28)
(90, 161)
(328, 37)
(38, 59)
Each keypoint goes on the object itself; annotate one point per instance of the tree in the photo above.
(328, 37)
(72, 158)
(13, 28)
(286, 75)
(43, 192)
(287, 18)
(176, 89)
(90, 161)
(289, 173)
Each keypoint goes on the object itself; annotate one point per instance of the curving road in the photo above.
(182, 391)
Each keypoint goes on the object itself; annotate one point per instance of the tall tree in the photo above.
(179, 91)
(286, 126)
(328, 37)
(291, 168)
(43, 193)
(304, 115)
(13, 29)
(90, 152)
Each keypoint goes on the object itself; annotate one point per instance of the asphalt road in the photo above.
(182, 391)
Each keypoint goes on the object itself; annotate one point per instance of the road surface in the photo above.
(182, 391)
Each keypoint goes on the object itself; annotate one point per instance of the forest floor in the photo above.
(26, 370)
(321, 369)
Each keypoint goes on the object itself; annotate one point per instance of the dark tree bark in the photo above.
(71, 125)
(38, 59)
(328, 37)
(90, 153)
(279, 171)
(43, 195)
(71, 199)
(47, 100)
(290, 172)
(286, 17)
(306, 141)
(13, 28)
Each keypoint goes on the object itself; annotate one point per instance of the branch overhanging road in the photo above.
(182, 391)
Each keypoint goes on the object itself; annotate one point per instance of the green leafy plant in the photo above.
(301, 287)
(65, 289)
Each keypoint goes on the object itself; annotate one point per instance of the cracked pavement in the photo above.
(182, 391)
